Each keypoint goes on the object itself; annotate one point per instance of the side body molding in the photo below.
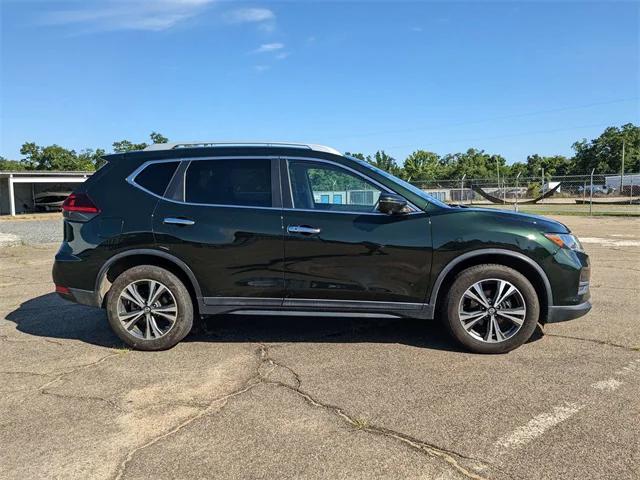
(150, 252)
(489, 251)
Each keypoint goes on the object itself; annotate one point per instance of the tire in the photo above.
(163, 323)
(466, 304)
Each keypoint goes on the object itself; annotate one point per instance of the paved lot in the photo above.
(47, 229)
(315, 398)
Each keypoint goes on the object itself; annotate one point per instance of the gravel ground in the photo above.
(34, 232)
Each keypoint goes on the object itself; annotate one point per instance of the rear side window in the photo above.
(156, 176)
(229, 182)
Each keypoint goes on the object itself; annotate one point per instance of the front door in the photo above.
(339, 248)
(226, 225)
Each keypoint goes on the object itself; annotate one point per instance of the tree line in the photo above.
(603, 153)
(55, 157)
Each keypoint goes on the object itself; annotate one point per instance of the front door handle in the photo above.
(178, 221)
(303, 229)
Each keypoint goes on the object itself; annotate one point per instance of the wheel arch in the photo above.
(518, 261)
(131, 258)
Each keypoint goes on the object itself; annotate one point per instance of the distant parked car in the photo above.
(597, 189)
(50, 201)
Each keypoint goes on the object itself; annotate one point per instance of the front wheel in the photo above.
(491, 309)
(149, 308)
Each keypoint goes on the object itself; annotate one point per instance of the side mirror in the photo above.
(391, 203)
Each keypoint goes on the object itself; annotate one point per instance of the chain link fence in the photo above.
(597, 193)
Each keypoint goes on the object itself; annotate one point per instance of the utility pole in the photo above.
(542, 181)
(622, 168)
(591, 194)
(517, 190)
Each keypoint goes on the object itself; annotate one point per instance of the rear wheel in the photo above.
(491, 309)
(149, 308)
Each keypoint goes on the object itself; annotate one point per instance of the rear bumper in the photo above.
(568, 312)
(83, 297)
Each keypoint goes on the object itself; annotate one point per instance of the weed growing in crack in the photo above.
(360, 423)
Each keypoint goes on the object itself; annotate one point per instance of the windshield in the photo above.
(412, 188)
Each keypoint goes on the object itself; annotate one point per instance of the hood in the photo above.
(538, 222)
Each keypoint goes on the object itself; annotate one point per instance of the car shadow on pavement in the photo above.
(52, 317)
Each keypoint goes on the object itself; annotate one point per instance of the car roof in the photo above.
(231, 149)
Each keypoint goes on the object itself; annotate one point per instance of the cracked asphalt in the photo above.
(285, 397)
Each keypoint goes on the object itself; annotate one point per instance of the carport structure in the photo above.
(18, 189)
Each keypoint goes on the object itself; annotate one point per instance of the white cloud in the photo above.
(250, 15)
(128, 14)
(261, 68)
(269, 47)
(282, 55)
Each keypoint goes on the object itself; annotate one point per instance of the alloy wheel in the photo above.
(147, 309)
(492, 310)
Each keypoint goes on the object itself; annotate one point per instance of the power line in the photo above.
(506, 135)
(502, 117)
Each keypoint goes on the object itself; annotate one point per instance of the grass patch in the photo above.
(121, 349)
(571, 209)
(580, 214)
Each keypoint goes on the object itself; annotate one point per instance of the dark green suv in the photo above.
(177, 230)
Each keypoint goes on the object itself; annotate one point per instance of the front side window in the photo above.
(319, 186)
(403, 183)
(243, 182)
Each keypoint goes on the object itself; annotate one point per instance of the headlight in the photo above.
(565, 240)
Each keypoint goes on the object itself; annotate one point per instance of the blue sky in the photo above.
(514, 78)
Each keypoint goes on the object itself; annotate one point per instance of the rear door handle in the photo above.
(178, 221)
(303, 229)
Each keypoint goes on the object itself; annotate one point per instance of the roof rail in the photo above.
(206, 144)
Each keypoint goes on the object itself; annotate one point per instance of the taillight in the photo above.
(79, 202)
(61, 289)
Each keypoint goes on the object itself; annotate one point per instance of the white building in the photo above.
(347, 197)
(613, 181)
(18, 189)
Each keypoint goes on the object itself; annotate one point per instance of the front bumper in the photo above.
(567, 312)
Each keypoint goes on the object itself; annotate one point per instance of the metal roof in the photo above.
(40, 173)
(213, 144)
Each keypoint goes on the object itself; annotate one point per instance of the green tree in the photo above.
(359, 156)
(95, 158)
(517, 168)
(53, 157)
(422, 165)
(385, 162)
(553, 165)
(10, 165)
(323, 179)
(605, 152)
(474, 164)
(158, 138)
(128, 146)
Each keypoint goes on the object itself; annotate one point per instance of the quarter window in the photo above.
(156, 176)
(244, 182)
(319, 186)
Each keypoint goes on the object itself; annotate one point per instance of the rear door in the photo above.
(339, 248)
(223, 218)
